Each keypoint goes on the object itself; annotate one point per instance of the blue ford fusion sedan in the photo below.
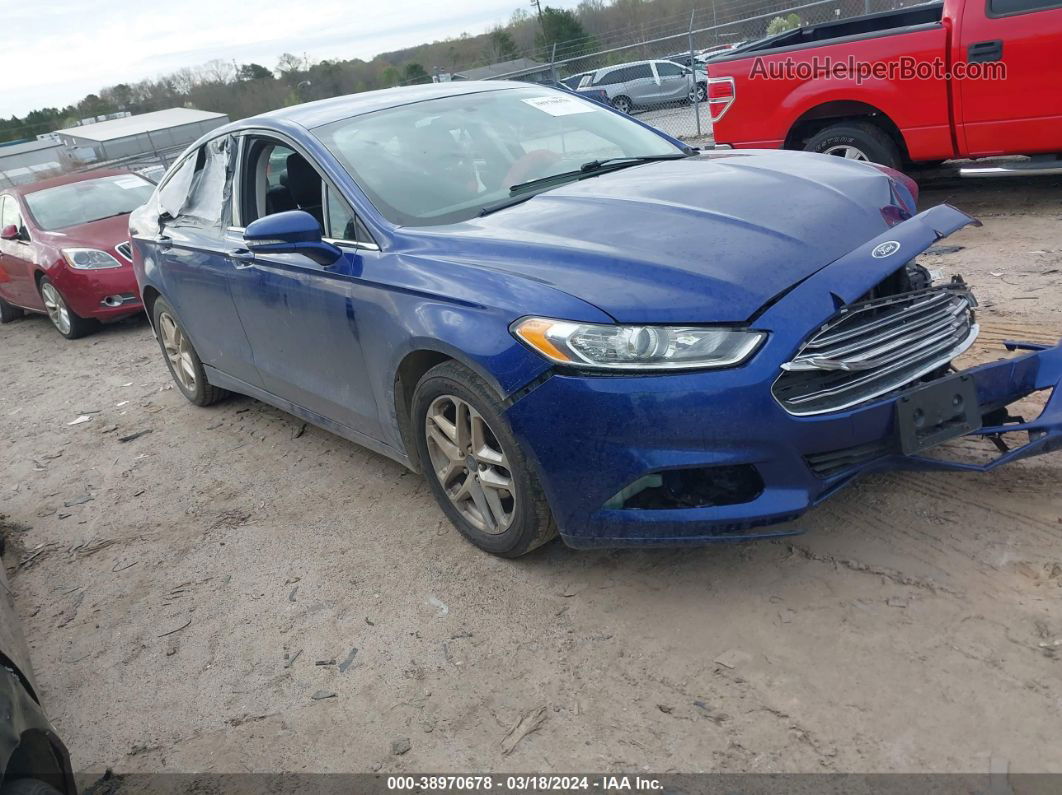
(568, 321)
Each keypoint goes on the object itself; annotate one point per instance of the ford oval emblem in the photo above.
(883, 250)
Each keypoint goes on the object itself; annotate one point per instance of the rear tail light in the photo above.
(721, 94)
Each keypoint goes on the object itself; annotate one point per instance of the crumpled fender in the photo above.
(846, 279)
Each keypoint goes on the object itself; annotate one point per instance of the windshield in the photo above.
(445, 160)
(91, 200)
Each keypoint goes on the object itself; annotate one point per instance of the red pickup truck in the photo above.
(933, 82)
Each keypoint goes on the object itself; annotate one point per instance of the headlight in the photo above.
(89, 259)
(637, 347)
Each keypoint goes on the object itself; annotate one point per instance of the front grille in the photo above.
(126, 250)
(871, 348)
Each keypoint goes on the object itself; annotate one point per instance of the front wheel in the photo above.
(474, 466)
(65, 320)
(856, 141)
(181, 359)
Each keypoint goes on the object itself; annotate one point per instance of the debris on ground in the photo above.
(348, 661)
(78, 501)
(732, 658)
(82, 418)
(321, 695)
(439, 605)
(530, 722)
(400, 746)
(136, 435)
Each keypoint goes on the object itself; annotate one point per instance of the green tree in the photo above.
(782, 24)
(253, 71)
(390, 76)
(500, 46)
(563, 28)
(415, 73)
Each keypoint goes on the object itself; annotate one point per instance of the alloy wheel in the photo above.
(847, 152)
(178, 351)
(622, 104)
(470, 464)
(56, 306)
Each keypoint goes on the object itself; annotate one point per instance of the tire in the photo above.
(700, 94)
(871, 143)
(517, 518)
(177, 351)
(66, 322)
(9, 312)
(28, 786)
(623, 104)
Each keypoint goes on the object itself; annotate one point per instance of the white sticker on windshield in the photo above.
(129, 182)
(560, 105)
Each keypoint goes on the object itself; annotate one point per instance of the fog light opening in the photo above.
(701, 487)
(118, 300)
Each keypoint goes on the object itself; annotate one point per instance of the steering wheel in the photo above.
(535, 163)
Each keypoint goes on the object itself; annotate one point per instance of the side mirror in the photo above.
(9, 232)
(291, 232)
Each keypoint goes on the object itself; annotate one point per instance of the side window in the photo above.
(211, 186)
(999, 8)
(198, 192)
(340, 223)
(275, 179)
(665, 69)
(640, 71)
(8, 212)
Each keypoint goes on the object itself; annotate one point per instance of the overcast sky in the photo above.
(60, 50)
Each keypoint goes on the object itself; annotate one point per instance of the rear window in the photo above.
(91, 200)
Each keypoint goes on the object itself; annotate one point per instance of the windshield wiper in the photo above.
(593, 167)
(522, 191)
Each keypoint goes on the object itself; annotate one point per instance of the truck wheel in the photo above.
(623, 104)
(474, 466)
(856, 140)
(8, 312)
(699, 94)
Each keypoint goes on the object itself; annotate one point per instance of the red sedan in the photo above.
(64, 249)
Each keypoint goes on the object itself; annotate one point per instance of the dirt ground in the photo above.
(232, 591)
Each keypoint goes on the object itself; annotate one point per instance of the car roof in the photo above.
(65, 179)
(326, 111)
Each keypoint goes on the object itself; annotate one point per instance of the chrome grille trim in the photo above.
(875, 347)
(126, 250)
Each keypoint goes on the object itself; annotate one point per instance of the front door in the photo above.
(193, 252)
(1021, 113)
(674, 82)
(16, 268)
(302, 318)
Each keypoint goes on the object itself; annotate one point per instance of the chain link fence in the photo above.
(686, 39)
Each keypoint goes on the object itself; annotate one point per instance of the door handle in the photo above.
(242, 258)
(985, 51)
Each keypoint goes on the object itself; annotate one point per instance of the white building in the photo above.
(141, 134)
(28, 162)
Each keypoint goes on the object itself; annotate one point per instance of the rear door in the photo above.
(1021, 112)
(641, 85)
(16, 257)
(303, 319)
(193, 251)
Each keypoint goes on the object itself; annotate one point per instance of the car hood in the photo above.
(708, 239)
(104, 234)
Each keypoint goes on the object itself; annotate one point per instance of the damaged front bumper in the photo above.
(713, 456)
